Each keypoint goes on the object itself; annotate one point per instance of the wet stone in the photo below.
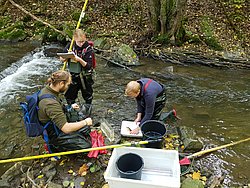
(4, 184)
(47, 168)
(54, 185)
(12, 172)
(78, 181)
(190, 183)
(51, 174)
(51, 52)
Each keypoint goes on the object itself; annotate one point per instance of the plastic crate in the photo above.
(107, 130)
(75, 67)
(161, 169)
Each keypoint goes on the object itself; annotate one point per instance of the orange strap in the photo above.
(147, 84)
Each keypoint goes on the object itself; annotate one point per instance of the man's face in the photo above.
(64, 86)
(80, 40)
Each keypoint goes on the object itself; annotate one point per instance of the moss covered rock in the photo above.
(190, 183)
(126, 55)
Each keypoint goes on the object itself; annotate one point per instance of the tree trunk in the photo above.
(154, 6)
(166, 17)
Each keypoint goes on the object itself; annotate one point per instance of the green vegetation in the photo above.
(215, 25)
(209, 37)
(4, 21)
(163, 39)
(14, 32)
(125, 7)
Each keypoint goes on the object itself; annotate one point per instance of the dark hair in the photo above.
(58, 76)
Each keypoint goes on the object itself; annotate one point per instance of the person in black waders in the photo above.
(81, 69)
(151, 98)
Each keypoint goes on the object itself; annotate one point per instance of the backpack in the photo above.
(30, 109)
(32, 124)
(91, 45)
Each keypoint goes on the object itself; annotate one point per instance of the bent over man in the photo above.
(151, 98)
(63, 136)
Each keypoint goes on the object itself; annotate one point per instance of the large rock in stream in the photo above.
(126, 56)
(189, 140)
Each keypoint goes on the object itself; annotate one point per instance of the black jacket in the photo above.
(85, 52)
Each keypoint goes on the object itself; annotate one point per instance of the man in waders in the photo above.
(151, 98)
(81, 69)
(62, 135)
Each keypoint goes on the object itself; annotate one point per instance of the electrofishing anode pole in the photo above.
(77, 26)
(186, 160)
(77, 151)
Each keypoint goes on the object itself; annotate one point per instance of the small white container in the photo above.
(161, 169)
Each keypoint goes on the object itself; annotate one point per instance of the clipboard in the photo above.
(67, 55)
(127, 126)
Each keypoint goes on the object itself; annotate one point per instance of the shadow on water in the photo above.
(214, 102)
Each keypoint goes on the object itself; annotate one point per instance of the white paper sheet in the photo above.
(127, 126)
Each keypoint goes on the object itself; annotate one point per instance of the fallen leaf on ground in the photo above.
(62, 162)
(196, 175)
(105, 186)
(83, 170)
(40, 176)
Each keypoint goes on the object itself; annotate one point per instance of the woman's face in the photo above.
(80, 40)
(133, 94)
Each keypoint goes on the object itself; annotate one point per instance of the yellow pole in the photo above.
(70, 152)
(77, 26)
(217, 148)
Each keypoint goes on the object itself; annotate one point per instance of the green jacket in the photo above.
(50, 109)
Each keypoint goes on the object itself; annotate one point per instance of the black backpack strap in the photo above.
(88, 49)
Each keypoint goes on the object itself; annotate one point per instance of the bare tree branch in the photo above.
(36, 18)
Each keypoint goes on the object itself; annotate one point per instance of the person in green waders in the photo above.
(81, 69)
(63, 135)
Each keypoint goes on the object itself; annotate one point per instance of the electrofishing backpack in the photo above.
(30, 109)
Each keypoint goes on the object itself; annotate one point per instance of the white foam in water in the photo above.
(21, 75)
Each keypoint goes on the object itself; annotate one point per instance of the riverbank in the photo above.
(209, 30)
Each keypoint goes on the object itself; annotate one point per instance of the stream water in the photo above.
(214, 102)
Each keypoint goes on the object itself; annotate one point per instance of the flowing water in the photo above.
(214, 102)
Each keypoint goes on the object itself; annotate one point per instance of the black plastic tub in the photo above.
(130, 166)
(153, 130)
